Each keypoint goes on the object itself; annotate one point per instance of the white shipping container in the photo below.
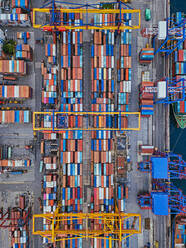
(16, 69)
(69, 157)
(78, 180)
(102, 51)
(68, 169)
(107, 193)
(73, 38)
(5, 91)
(16, 91)
(112, 62)
(75, 169)
(105, 181)
(95, 243)
(112, 38)
(10, 65)
(102, 61)
(15, 233)
(64, 37)
(50, 184)
(110, 157)
(109, 74)
(112, 182)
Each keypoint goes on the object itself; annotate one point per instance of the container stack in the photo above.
(15, 116)
(16, 18)
(5, 152)
(146, 150)
(19, 235)
(102, 60)
(102, 171)
(20, 4)
(71, 71)
(180, 234)
(72, 185)
(122, 195)
(180, 107)
(124, 72)
(50, 53)
(49, 197)
(50, 136)
(146, 98)
(50, 163)
(102, 168)
(179, 72)
(13, 67)
(23, 51)
(24, 36)
(15, 91)
(146, 55)
(71, 143)
(72, 19)
(49, 92)
(71, 161)
(15, 163)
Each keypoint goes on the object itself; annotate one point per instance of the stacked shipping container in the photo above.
(15, 163)
(20, 4)
(23, 51)
(146, 55)
(102, 168)
(49, 198)
(179, 72)
(16, 67)
(49, 91)
(15, 116)
(71, 71)
(146, 102)
(71, 143)
(15, 91)
(19, 234)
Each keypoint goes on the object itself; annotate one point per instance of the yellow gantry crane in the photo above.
(53, 118)
(112, 226)
(56, 16)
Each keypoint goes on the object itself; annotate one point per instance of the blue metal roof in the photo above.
(160, 203)
(159, 167)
